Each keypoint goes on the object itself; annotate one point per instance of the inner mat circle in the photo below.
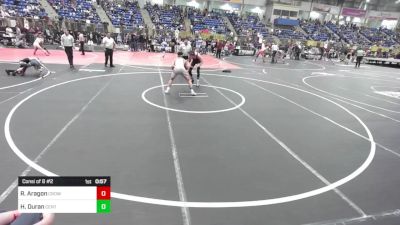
(235, 106)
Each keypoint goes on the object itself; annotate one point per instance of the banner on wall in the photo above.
(382, 18)
(235, 6)
(286, 22)
(304, 6)
(325, 8)
(233, 1)
(286, 1)
(312, 43)
(383, 15)
(353, 12)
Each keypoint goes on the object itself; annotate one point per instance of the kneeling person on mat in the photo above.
(24, 64)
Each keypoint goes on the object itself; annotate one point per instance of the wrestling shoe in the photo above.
(166, 90)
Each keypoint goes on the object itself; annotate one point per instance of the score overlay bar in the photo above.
(64, 194)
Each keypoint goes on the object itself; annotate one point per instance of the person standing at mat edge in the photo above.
(360, 54)
(82, 43)
(220, 45)
(67, 42)
(109, 45)
(275, 49)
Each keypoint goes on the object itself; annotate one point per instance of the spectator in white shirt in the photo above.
(185, 48)
(109, 45)
(9, 32)
(274, 49)
(4, 13)
(82, 43)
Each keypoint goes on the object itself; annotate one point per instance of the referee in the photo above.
(109, 45)
(67, 42)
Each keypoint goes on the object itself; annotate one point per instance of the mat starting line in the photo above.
(189, 95)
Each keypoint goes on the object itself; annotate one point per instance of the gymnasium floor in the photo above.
(307, 142)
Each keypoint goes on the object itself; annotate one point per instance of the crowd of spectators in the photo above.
(76, 10)
(395, 36)
(376, 35)
(249, 24)
(166, 17)
(289, 33)
(349, 32)
(203, 20)
(18, 8)
(127, 13)
(316, 30)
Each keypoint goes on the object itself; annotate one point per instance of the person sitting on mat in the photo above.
(25, 64)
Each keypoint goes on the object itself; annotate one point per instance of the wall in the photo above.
(181, 2)
(249, 8)
(160, 2)
(218, 4)
(383, 15)
(284, 8)
(142, 3)
(255, 2)
(202, 3)
(305, 6)
(268, 13)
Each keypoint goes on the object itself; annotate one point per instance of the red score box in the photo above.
(103, 193)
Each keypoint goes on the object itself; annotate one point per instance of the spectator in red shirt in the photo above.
(220, 45)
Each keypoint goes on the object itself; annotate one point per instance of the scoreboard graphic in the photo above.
(64, 194)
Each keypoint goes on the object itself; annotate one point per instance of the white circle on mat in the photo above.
(243, 100)
(230, 204)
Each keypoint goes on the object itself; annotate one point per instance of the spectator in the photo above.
(219, 45)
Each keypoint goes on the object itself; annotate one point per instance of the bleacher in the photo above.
(375, 35)
(76, 10)
(30, 8)
(213, 21)
(315, 31)
(288, 33)
(332, 27)
(127, 14)
(349, 34)
(169, 17)
(393, 35)
(251, 23)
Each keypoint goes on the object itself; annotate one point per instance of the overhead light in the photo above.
(314, 15)
(226, 7)
(193, 3)
(259, 11)
(397, 2)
